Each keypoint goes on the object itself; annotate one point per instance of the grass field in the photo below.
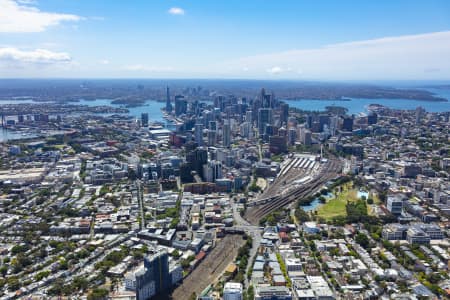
(336, 206)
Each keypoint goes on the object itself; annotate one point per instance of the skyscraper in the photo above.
(144, 119)
(168, 104)
(347, 123)
(180, 105)
(199, 134)
(211, 138)
(284, 113)
(226, 134)
(264, 118)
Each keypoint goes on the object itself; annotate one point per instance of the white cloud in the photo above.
(143, 68)
(13, 56)
(401, 57)
(21, 16)
(275, 70)
(176, 11)
(104, 62)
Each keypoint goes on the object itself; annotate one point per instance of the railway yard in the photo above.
(299, 177)
(211, 268)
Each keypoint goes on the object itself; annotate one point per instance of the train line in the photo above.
(327, 173)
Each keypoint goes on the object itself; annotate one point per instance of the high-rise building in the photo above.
(292, 136)
(372, 118)
(144, 119)
(155, 276)
(420, 111)
(246, 130)
(347, 124)
(168, 104)
(324, 120)
(226, 134)
(212, 171)
(307, 137)
(277, 144)
(199, 134)
(249, 116)
(211, 138)
(264, 118)
(180, 105)
(284, 113)
(212, 125)
(196, 159)
(267, 100)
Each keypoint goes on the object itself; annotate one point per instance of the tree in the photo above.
(301, 215)
(176, 253)
(362, 239)
(13, 284)
(193, 296)
(250, 292)
(98, 294)
(3, 270)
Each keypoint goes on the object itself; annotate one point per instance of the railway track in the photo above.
(327, 173)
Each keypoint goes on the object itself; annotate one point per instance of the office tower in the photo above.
(219, 102)
(284, 113)
(208, 117)
(212, 125)
(267, 99)
(246, 130)
(420, 111)
(334, 122)
(180, 105)
(211, 138)
(307, 137)
(323, 120)
(277, 144)
(372, 118)
(292, 136)
(309, 121)
(196, 159)
(155, 277)
(199, 134)
(347, 123)
(212, 171)
(264, 118)
(168, 104)
(144, 119)
(226, 134)
(249, 116)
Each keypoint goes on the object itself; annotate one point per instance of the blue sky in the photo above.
(317, 40)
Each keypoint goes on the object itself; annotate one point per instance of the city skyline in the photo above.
(252, 40)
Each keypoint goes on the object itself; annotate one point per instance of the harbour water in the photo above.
(359, 105)
(153, 108)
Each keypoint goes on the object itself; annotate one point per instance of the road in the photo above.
(140, 199)
(251, 230)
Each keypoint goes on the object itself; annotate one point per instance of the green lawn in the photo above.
(333, 208)
(336, 206)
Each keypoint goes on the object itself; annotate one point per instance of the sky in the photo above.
(251, 39)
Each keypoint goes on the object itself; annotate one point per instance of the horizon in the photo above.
(226, 40)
